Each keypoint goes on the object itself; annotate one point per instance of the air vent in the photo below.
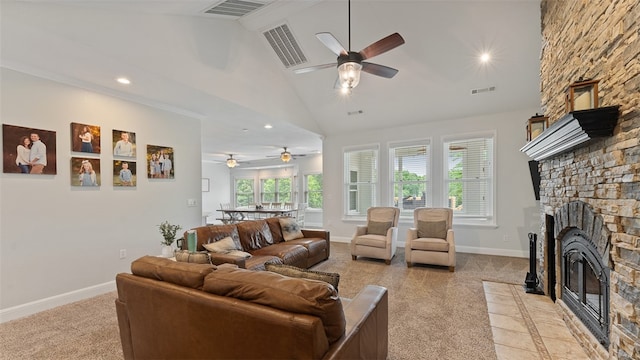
(483, 90)
(285, 45)
(236, 8)
(356, 112)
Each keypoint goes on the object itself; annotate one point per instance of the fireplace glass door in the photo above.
(585, 284)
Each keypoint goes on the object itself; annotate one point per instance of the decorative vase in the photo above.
(167, 251)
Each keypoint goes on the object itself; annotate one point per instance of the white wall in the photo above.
(516, 208)
(219, 189)
(61, 243)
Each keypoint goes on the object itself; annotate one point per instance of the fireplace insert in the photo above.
(585, 283)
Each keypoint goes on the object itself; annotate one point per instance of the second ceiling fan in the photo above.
(350, 63)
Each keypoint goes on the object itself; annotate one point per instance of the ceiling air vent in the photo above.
(483, 90)
(285, 45)
(235, 8)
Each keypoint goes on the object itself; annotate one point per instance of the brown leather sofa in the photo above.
(263, 239)
(178, 310)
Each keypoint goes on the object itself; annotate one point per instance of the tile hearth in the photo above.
(527, 326)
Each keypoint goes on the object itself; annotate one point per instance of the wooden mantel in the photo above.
(572, 130)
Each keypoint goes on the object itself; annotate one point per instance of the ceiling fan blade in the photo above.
(332, 43)
(379, 70)
(381, 46)
(314, 68)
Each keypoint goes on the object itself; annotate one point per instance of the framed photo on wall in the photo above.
(124, 143)
(28, 150)
(85, 138)
(85, 171)
(124, 173)
(160, 160)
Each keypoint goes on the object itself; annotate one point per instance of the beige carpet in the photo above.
(433, 314)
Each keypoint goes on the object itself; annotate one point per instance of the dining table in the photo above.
(243, 213)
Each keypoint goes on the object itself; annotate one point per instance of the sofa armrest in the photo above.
(316, 233)
(219, 259)
(367, 329)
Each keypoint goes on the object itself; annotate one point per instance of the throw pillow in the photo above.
(378, 227)
(290, 229)
(292, 271)
(195, 257)
(239, 253)
(432, 229)
(222, 246)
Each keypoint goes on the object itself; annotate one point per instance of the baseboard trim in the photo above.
(459, 248)
(37, 306)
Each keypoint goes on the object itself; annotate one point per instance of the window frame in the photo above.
(235, 190)
(489, 218)
(277, 194)
(350, 187)
(428, 181)
(306, 190)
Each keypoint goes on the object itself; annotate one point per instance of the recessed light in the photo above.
(245, 130)
(485, 57)
(268, 126)
(123, 80)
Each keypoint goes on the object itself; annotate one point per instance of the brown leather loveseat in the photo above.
(264, 240)
(179, 310)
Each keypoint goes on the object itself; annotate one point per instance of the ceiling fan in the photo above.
(350, 63)
(286, 156)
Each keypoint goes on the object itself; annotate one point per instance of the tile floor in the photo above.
(527, 326)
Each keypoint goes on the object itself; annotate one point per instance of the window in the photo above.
(468, 178)
(244, 192)
(313, 191)
(275, 190)
(361, 179)
(411, 183)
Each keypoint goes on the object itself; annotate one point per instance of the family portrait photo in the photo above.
(28, 150)
(85, 171)
(85, 138)
(124, 173)
(160, 162)
(124, 143)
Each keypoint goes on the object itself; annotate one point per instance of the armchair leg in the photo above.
(452, 268)
(388, 262)
(353, 257)
(409, 264)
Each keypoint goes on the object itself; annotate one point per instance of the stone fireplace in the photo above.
(588, 260)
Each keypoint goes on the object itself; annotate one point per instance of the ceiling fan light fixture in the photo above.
(349, 74)
(231, 162)
(285, 156)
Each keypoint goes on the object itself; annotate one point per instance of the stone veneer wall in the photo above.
(598, 40)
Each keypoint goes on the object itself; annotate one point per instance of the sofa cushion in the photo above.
(290, 229)
(291, 254)
(296, 272)
(254, 234)
(213, 233)
(179, 273)
(290, 294)
(378, 227)
(192, 257)
(276, 231)
(432, 229)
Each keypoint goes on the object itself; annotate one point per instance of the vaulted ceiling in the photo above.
(221, 68)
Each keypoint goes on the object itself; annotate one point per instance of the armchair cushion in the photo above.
(432, 229)
(430, 244)
(378, 227)
(376, 241)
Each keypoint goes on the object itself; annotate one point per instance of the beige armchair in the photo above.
(430, 240)
(379, 238)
